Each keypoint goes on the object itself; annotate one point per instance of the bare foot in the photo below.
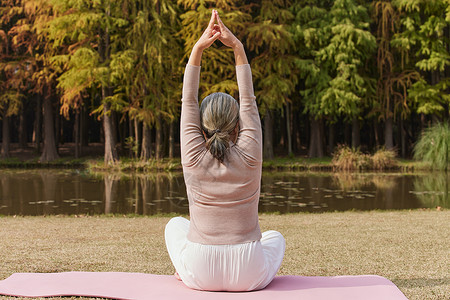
(177, 276)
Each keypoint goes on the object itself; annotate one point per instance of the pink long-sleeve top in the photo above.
(223, 197)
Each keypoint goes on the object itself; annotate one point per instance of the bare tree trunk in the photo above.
(316, 141)
(49, 152)
(389, 133)
(159, 129)
(356, 139)
(110, 143)
(108, 115)
(268, 135)
(58, 127)
(84, 128)
(130, 135)
(22, 129)
(376, 133)
(288, 128)
(38, 124)
(6, 140)
(77, 135)
(137, 137)
(146, 152)
(403, 138)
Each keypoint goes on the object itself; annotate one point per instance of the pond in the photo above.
(70, 192)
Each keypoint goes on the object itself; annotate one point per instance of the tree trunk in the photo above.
(58, 126)
(84, 130)
(159, 129)
(288, 129)
(331, 137)
(108, 129)
(49, 152)
(110, 133)
(356, 139)
(389, 133)
(171, 139)
(130, 135)
(6, 139)
(77, 135)
(37, 135)
(137, 137)
(376, 133)
(268, 135)
(22, 129)
(146, 152)
(403, 138)
(316, 141)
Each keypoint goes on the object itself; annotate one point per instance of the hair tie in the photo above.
(216, 131)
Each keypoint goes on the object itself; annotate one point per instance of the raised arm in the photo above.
(192, 140)
(250, 132)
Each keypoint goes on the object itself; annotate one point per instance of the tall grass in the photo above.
(433, 146)
(383, 159)
(349, 159)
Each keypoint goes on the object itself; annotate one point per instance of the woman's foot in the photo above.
(177, 276)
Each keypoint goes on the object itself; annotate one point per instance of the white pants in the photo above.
(241, 267)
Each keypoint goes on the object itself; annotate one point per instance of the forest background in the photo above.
(369, 74)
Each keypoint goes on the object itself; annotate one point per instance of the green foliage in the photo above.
(423, 41)
(271, 42)
(433, 146)
(334, 45)
(218, 71)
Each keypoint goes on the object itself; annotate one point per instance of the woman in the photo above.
(221, 248)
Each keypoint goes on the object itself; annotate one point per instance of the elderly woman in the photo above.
(221, 248)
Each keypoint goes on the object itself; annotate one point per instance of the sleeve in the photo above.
(250, 132)
(191, 137)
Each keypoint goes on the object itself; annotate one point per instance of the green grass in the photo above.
(408, 247)
(128, 165)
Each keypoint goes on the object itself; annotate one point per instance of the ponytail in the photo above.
(219, 114)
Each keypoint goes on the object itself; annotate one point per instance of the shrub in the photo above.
(346, 158)
(384, 159)
(433, 146)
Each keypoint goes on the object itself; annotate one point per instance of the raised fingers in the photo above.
(213, 18)
(221, 25)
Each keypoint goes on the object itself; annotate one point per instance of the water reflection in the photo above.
(46, 192)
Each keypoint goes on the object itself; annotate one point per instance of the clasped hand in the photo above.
(217, 31)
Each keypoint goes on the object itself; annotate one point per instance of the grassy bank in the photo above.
(171, 165)
(408, 247)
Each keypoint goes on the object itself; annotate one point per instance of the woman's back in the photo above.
(223, 197)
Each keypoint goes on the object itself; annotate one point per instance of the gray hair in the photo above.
(219, 114)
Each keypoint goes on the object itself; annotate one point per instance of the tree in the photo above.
(424, 32)
(311, 33)
(17, 62)
(87, 34)
(393, 80)
(271, 44)
(334, 47)
(150, 49)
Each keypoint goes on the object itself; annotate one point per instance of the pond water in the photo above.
(50, 192)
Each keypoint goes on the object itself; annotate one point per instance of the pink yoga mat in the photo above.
(118, 285)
